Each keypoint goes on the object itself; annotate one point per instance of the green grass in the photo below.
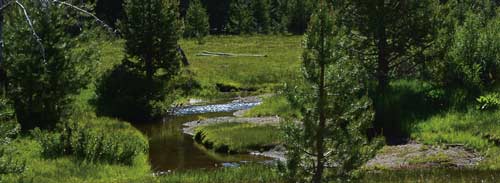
(432, 176)
(264, 73)
(237, 137)
(70, 170)
(275, 105)
(243, 174)
(474, 129)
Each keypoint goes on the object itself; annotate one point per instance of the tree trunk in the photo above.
(382, 62)
(320, 149)
(149, 68)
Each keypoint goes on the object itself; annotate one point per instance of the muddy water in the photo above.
(170, 149)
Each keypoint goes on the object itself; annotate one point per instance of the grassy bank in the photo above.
(243, 174)
(271, 106)
(45, 162)
(474, 129)
(237, 137)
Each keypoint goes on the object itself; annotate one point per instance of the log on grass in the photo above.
(222, 54)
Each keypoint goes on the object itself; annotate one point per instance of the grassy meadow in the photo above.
(281, 63)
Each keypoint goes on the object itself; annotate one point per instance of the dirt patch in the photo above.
(411, 156)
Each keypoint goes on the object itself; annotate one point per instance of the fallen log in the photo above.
(222, 54)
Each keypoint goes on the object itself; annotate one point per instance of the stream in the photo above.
(170, 149)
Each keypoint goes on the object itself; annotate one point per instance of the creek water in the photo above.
(170, 149)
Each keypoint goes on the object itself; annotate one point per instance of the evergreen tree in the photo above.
(279, 15)
(331, 144)
(139, 89)
(389, 35)
(261, 14)
(44, 71)
(151, 32)
(196, 21)
(241, 20)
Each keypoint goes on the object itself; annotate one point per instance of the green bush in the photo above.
(101, 140)
(489, 102)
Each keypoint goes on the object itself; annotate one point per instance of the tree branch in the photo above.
(6, 5)
(110, 29)
(30, 23)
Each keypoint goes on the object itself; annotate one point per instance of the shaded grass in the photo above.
(243, 174)
(405, 102)
(275, 105)
(263, 73)
(237, 137)
(474, 129)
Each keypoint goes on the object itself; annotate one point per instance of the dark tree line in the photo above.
(266, 15)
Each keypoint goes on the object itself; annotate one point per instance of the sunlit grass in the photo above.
(474, 129)
(70, 170)
(282, 61)
(238, 137)
(243, 174)
(275, 105)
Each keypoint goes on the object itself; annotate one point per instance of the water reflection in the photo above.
(170, 149)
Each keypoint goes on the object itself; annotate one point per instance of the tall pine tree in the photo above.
(151, 32)
(44, 72)
(331, 144)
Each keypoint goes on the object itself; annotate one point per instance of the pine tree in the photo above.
(139, 89)
(196, 21)
(241, 20)
(151, 32)
(45, 71)
(331, 144)
(279, 15)
(387, 38)
(261, 14)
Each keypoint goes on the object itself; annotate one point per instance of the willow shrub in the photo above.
(101, 140)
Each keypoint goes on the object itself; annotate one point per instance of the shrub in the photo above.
(489, 102)
(101, 140)
(9, 130)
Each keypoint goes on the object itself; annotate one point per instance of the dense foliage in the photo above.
(44, 72)
(196, 21)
